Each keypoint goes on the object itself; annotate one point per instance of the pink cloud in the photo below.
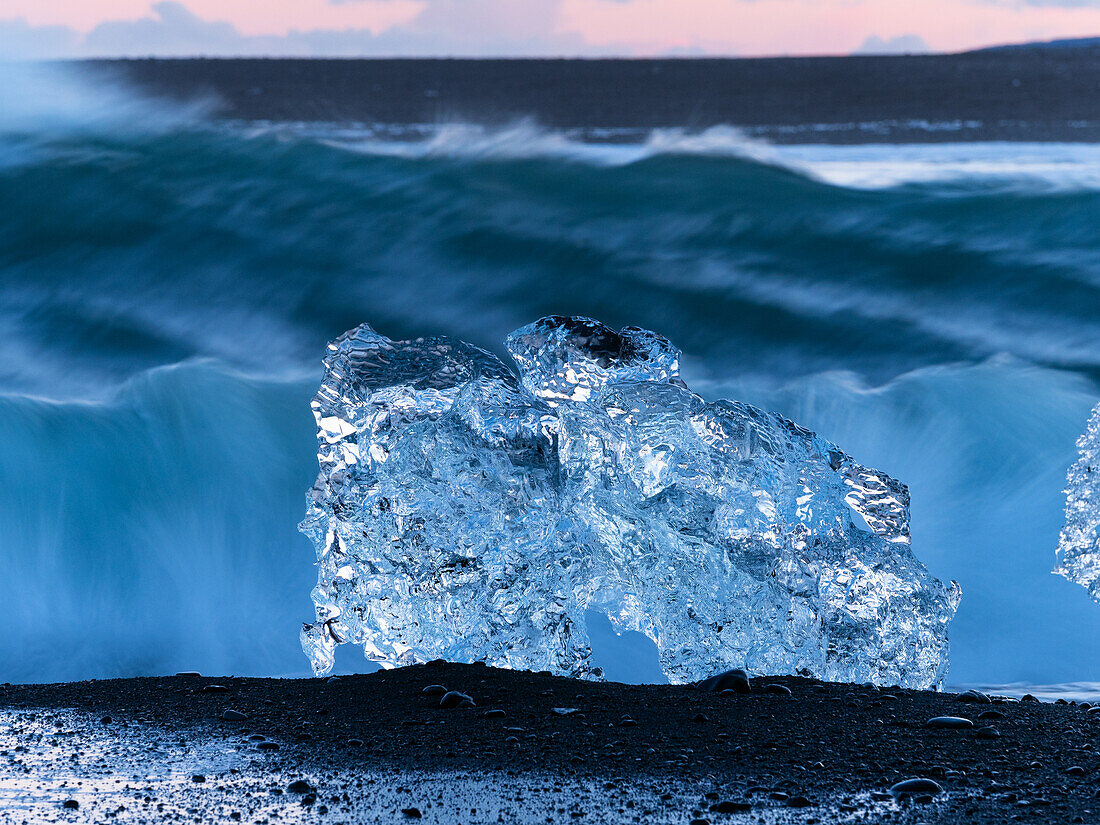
(820, 26)
(744, 27)
(250, 17)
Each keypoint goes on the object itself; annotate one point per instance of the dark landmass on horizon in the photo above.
(367, 748)
(1031, 93)
(1060, 43)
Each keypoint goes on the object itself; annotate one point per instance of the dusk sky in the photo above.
(62, 28)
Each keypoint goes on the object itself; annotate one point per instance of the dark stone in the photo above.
(799, 802)
(991, 715)
(496, 713)
(198, 778)
(268, 746)
(727, 806)
(215, 689)
(1027, 697)
(974, 696)
(455, 699)
(987, 733)
(919, 786)
(949, 723)
(411, 813)
(71, 804)
(735, 679)
(234, 716)
(781, 690)
(299, 786)
(434, 690)
(1076, 770)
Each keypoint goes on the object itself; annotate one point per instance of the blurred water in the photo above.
(167, 285)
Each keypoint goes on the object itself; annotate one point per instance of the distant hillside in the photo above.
(1031, 94)
(1064, 43)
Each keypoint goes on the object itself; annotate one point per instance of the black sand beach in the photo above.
(1032, 94)
(534, 748)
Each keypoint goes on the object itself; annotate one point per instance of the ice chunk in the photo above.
(467, 513)
(1079, 545)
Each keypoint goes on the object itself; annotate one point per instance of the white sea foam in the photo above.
(1047, 166)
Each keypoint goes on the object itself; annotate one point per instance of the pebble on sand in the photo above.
(949, 722)
(456, 699)
(728, 806)
(919, 786)
(735, 679)
(299, 786)
(974, 696)
(231, 715)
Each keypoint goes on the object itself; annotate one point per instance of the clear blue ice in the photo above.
(469, 512)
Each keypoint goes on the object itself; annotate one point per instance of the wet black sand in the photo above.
(370, 747)
(1033, 94)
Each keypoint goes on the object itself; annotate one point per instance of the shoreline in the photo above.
(369, 747)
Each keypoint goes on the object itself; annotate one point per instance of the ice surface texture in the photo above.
(1079, 547)
(468, 513)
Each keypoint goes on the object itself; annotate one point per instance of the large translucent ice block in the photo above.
(467, 512)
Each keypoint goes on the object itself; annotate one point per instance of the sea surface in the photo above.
(169, 279)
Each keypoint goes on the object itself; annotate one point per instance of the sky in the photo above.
(138, 28)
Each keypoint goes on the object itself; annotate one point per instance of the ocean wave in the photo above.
(127, 251)
(990, 166)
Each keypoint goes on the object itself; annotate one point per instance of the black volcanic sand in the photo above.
(375, 749)
(1033, 94)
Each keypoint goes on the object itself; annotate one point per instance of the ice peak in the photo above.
(564, 358)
